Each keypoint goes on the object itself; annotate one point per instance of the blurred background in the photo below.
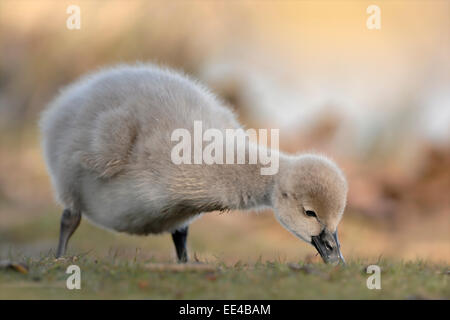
(377, 101)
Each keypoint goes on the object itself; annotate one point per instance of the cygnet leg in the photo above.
(179, 239)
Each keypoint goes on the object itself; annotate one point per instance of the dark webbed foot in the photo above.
(179, 239)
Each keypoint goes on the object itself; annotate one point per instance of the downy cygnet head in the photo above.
(309, 200)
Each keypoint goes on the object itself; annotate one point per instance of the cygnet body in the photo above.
(108, 145)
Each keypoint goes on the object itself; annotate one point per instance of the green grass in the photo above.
(115, 266)
(119, 278)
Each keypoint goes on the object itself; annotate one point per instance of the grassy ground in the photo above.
(118, 278)
(248, 257)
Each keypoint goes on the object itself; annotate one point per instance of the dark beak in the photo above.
(328, 246)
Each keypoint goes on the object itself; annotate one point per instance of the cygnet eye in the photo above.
(310, 213)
